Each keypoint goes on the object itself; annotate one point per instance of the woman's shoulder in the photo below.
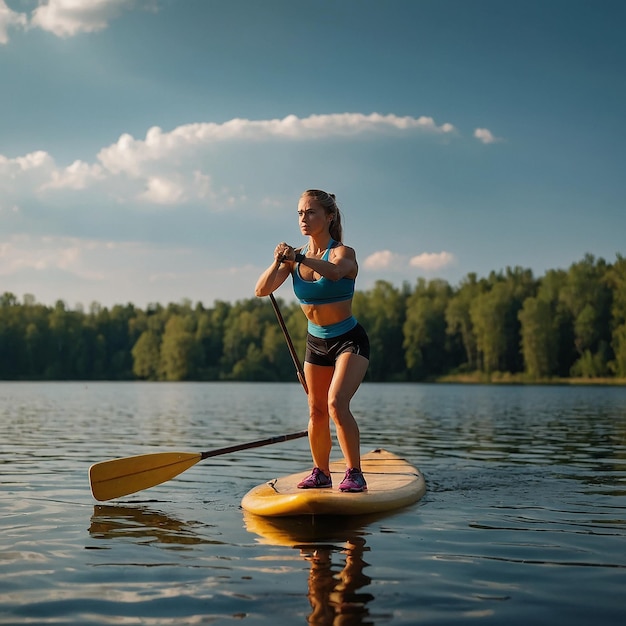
(339, 246)
(342, 251)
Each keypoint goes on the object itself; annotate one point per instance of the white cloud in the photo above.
(66, 18)
(392, 261)
(432, 261)
(34, 161)
(21, 176)
(485, 136)
(129, 155)
(9, 18)
(183, 166)
(78, 175)
(163, 191)
(10, 169)
(384, 260)
(203, 185)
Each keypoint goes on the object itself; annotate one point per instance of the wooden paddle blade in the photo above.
(119, 477)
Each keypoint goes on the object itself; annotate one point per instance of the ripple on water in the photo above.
(523, 521)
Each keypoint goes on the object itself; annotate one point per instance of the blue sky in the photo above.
(155, 150)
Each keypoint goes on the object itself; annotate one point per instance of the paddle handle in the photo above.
(253, 444)
(292, 350)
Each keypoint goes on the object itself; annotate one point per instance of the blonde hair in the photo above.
(327, 201)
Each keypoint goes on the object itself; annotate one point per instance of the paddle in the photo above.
(292, 351)
(120, 477)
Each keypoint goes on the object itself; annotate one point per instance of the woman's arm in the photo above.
(272, 278)
(343, 264)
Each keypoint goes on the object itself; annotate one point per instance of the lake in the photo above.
(524, 520)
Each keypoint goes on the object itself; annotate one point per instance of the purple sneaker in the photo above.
(317, 480)
(353, 481)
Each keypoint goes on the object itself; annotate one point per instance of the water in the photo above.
(524, 520)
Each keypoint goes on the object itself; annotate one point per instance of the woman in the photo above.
(337, 347)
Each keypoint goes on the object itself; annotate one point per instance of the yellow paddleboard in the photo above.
(301, 530)
(392, 482)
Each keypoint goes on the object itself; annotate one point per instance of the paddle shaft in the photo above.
(120, 477)
(292, 350)
(253, 444)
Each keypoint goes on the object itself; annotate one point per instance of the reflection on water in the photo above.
(334, 548)
(333, 588)
(145, 526)
(334, 595)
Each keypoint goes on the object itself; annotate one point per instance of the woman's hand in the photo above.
(284, 252)
(274, 276)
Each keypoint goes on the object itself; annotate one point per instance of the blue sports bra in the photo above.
(323, 290)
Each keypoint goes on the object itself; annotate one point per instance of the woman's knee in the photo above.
(318, 412)
(338, 406)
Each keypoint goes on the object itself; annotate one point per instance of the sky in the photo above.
(154, 151)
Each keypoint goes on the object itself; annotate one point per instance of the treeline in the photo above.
(568, 323)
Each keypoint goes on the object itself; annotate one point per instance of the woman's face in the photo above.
(312, 217)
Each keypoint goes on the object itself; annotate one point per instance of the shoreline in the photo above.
(499, 378)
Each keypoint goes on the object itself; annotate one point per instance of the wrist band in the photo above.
(299, 257)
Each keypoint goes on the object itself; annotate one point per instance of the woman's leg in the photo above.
(318, 379)
(348, 374)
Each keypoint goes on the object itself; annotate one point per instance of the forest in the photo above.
(510, 325)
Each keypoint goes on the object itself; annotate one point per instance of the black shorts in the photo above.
(325, 351)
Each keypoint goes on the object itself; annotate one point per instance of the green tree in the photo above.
(425, 337)
(546, 329)
(539, 339)
(382, 312)
(494, 315)
(180, 353)
(244, 326)
(32, 334)
(10, 359)
(616, 280)
(522, 285)
(488, 313)
(68, 348)
(274, 354)
(588, 298)
(210, 343)
(119, 334)
(459, 319)
(146, 355)
(252, 366)
(618, 365)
